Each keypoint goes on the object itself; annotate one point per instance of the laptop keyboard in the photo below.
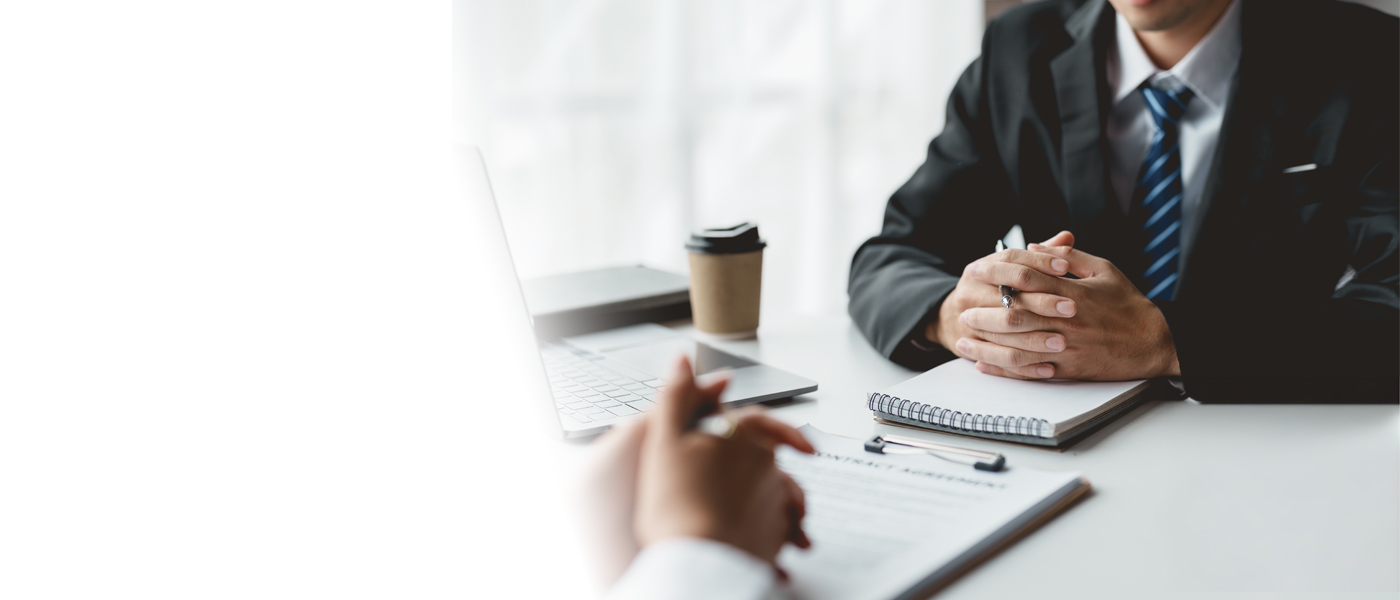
(588, 391)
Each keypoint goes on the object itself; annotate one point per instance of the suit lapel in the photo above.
(1081, 95)
(1232, 128)
(1244, 145)
(1075, 74)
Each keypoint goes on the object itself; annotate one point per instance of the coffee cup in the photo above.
(726, 278)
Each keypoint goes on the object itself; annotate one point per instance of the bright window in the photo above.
(614, 127)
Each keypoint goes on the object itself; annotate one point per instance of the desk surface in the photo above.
(1188, 498)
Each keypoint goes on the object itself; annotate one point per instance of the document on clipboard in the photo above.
(900, 526)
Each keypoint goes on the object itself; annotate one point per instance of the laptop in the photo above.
(600, 379)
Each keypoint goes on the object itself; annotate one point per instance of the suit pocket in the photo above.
(1304, 187)
(1304, 192)
(1314, 194)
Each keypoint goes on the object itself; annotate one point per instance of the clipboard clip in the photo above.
(982, 461)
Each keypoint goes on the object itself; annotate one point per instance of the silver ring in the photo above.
(719, 425)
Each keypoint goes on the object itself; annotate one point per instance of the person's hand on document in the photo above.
(1115, 333)
(693, 484)
(658, 478)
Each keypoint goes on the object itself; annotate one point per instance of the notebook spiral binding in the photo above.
(952, 419)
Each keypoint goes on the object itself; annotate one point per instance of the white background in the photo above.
(244, 350)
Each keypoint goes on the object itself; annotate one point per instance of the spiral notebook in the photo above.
(903, 526)
(957, 398)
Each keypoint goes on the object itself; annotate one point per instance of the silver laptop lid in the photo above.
(492, 262)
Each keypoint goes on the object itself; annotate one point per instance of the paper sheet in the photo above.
(880, 524)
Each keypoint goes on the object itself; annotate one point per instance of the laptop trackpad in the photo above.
(658, 357)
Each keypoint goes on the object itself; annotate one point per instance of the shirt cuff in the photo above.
(695, 568)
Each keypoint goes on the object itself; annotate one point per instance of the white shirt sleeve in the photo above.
(695, 569)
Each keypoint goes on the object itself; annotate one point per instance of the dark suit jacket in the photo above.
(1257, 316)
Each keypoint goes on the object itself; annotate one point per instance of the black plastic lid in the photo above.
(738, 239)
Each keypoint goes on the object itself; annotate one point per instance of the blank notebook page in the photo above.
(957, 385)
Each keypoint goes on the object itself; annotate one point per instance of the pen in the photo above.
(982, 461)
(1006, 291)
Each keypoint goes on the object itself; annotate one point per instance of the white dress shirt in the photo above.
(695, 569)
(1208, 70)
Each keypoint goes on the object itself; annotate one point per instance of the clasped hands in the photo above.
(1098, 327)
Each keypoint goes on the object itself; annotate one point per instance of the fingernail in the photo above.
(1059, 264)
(1055, 343)
(963, 345)
(1044, 371)
(1036, 247)
(972, 269)
(962, 318)
(1064, 307)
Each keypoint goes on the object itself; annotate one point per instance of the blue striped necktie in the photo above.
(1157, 195)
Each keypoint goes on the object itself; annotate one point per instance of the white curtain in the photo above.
(612, 128)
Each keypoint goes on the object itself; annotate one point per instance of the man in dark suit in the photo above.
(1227, 168)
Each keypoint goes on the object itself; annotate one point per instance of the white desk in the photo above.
(1188, 498)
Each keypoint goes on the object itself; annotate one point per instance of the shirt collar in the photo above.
(1207, 69)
